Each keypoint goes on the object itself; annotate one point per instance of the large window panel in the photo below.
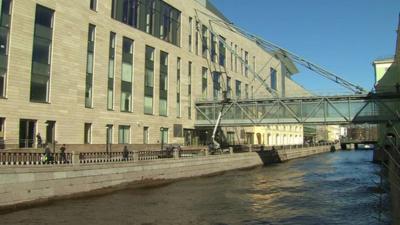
(41, 55)
(124, 134)
(111, 72)
(127, 75)
(163, 84)
(149, 80)
(90, 66)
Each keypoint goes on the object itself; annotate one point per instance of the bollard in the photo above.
(250, 148)
(231, 150)
(176, 153)
(206, 152)
(75, 158)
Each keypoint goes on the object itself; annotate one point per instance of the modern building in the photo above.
(381, 65)
(90, 73)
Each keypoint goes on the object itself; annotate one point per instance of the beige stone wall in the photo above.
(68, 71)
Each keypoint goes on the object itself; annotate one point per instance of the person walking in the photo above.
(39, 140)
(63, 157)
(47, 154)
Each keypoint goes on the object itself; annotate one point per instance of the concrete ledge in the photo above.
(21, 186)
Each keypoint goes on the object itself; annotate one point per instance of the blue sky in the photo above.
(343, 36)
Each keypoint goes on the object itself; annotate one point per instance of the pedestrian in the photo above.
(39, 140)
(47, 154)
(125, 153)
(63, 157)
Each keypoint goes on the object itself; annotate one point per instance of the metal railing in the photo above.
(27, 158)
(154, 155)
(103, 157)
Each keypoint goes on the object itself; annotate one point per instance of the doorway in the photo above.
(50, 132)
(188, 136)
(27, 133)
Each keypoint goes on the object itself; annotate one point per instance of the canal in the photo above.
(331, 188)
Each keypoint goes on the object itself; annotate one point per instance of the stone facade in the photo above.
(65, 108)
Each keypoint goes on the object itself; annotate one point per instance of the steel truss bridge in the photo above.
(354, 109)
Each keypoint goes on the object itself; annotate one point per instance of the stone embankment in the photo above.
(26, 180)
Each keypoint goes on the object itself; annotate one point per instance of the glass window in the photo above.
(124, 134)
(216, 84)
(190, 34)
(89, 67)
(246, 61)
(204, 85)
(88, 133)
(238, 88)
(222, 51)
(127, 75)
(178, 87)
(228, 87)
(149, 80)
(190, 90)
(163, 83)
(41, 55)
(151, 16)
(204, 34)
(273, 79)
(93, 5)
(111, 71)
(44, 16)
(145, 135)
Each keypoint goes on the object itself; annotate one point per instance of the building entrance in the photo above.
(27, 133)
(50, 132)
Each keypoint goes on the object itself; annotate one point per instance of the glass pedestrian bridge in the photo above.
(345, 109)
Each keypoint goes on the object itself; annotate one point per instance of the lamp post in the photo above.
(162, 137)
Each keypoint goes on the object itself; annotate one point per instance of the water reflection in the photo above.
(333, 188)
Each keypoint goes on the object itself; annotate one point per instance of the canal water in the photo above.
(331, 188)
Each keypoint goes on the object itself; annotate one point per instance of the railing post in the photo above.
(75, 158)
(136, 156)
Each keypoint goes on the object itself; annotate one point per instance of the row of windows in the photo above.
(124, 134)
(210, 47)
(217, 83)
(154, 17)
(28, 136)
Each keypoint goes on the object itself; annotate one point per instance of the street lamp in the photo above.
(162, 137)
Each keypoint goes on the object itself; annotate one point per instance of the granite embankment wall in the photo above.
(22, 185)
